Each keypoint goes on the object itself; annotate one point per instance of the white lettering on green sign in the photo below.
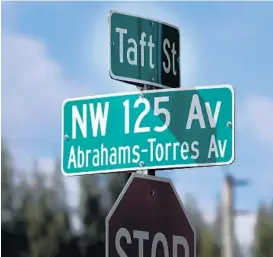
(133, 47)
(98, 113)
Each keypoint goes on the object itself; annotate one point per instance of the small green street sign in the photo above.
(144, 51)
(157, 129)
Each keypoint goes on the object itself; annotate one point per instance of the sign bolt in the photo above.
(229, 124)
(66, 137)
(113, 43)
(152, 192)
(141, 95)
(141, 164)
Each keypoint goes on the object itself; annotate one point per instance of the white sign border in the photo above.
(175, 166)
(126, 79)
(124, 190)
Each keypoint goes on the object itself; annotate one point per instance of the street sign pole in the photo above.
(157, 68)
(146, 172)
(151, 129)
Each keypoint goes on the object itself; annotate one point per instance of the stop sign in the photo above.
(149, 220)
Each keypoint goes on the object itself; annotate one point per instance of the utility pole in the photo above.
(227, 218)
(228, 213)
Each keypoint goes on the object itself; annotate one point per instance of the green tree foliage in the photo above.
(14, 239)
(47, 225)
(217, 229)
(207, 242)
(57, 194)
(116, 183)
(196, 219)
(264, 232)
(7, 184)
(92, 213)
(39, 214)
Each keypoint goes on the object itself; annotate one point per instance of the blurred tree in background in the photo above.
(7, 185)
(116, 182)
(264, 231)
(37, 220)
(207, 242)
(91, 211)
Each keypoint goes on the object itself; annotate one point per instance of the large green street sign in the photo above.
(155, 129)
(144, 51)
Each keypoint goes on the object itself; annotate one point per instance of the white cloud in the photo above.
(33, 88)
(256, 118)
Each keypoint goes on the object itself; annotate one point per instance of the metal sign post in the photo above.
(160, 127)
(146, 172)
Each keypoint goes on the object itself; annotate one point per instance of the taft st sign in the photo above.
(143, 51)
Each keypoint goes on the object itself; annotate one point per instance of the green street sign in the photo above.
(144, 51)
(157, 129)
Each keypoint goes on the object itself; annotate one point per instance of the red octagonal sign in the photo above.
(149, 220)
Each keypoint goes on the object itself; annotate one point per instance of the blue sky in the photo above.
(222, 43)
